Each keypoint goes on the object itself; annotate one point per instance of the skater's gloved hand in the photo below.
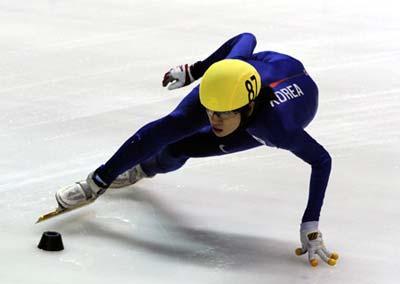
(81, 192)
(179, 76)
(311, 241)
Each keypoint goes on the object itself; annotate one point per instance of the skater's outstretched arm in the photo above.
(310, 151)
(306, 148)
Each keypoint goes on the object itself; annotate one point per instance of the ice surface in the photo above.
(79, 77)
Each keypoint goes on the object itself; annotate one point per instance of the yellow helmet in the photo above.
(229, 84)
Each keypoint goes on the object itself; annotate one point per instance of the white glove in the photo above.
(79, 193)
(311, 240)
(179, 76)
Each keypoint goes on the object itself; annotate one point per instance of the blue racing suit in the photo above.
(290, 103)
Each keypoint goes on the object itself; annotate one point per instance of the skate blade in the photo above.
(59, 211)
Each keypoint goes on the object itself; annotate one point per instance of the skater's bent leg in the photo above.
(163, 162)
(202, 144)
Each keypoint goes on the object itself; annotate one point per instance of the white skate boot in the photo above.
(129, 177)
(79, 193)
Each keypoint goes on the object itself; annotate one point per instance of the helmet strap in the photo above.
(244, 116)
(246, 112)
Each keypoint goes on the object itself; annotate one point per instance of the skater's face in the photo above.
(223, 123)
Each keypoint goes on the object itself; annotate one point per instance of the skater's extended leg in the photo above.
(175, 155)
(188, 118)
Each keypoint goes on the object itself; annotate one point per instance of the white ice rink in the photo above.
(77, 78)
